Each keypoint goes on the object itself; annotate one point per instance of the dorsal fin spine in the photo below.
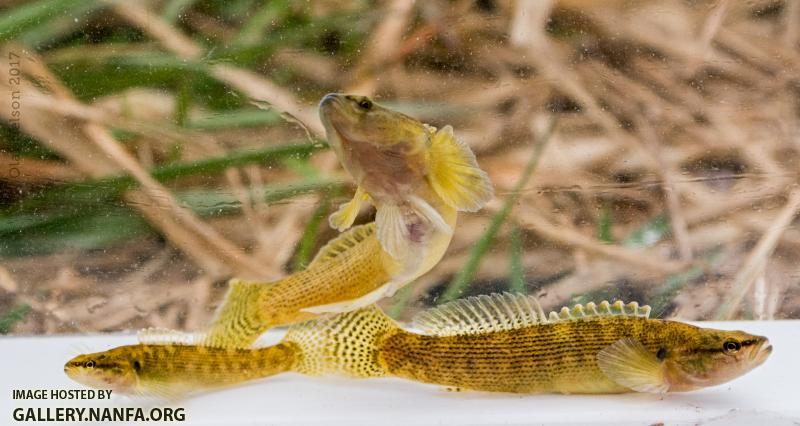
(482, 304)
(542, 316)
(526, 301)
(341, 244)
(510, 310)
(506, 311)
(473, 310)
(499, 310)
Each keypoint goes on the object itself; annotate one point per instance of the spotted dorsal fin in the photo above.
(506, 311)
(479, 314)
(341, 244)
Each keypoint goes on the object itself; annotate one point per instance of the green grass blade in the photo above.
(61, 26)
(649, 234)
(401, 298)
(12, 317)
(80, 232)
(105, 190)
(270, 13)
(213, 203)
(463, 278)
(101, 227)
(173, 9)
(237, 119)
(309, 238)
(604, 224)
(35, 14)
(516, 282)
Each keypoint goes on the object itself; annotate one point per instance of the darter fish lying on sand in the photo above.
(498, 343)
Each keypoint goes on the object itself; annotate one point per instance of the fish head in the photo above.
(707, 357)
(115, 369)
(353, 119)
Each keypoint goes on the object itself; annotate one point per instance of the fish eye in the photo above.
(365, 104)
(731, 346)
(137, 366)
(89, 364)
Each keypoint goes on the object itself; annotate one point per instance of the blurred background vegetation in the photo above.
(643, 150)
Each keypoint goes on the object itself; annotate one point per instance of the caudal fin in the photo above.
(343, 344)
(241, 318)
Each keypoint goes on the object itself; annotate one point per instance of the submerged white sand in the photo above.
(768, 395)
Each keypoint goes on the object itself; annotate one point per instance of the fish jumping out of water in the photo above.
(498, 343)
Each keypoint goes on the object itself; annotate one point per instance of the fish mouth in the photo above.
(329, 99)
(762, 352)
(331, 111)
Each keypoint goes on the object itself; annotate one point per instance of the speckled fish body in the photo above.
(497, 343)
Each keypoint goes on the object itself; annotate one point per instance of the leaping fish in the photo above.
(412, 172)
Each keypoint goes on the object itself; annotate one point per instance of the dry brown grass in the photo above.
(683, 109)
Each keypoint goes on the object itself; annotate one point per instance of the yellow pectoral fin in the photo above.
(455, 175)
(628, 363)
(351, 305)
(347, 213)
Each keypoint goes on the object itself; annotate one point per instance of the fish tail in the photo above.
(345, 344)
(241, 319)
